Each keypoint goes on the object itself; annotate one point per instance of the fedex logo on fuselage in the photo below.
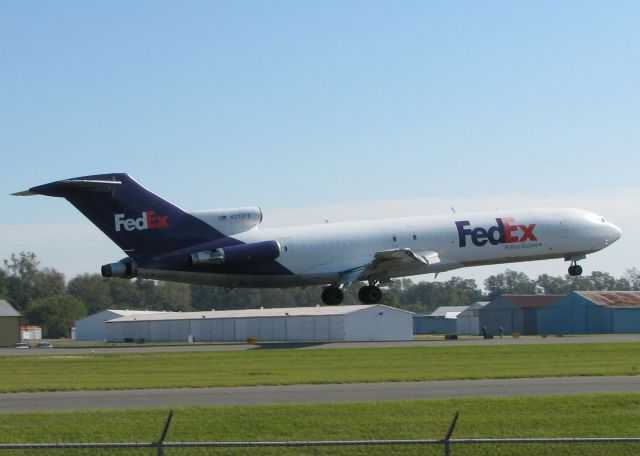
(148, 221)
(504, 232)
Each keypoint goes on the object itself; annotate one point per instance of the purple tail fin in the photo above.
(138, 221)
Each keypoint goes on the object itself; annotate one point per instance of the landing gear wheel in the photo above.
(362, 294)
(575, 270)
(332, 296)
(370, 294)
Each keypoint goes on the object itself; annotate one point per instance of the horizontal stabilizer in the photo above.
(71, 187)
(138, 221)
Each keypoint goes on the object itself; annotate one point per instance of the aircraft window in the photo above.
(415, 237)
(286, 249)
(394, 239)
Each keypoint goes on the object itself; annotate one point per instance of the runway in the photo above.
(309, 394)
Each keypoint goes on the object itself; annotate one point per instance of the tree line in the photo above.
(43, 297)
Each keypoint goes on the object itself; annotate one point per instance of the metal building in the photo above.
(593, 312)
(93, 326)
(318, 324)
(514, 313)
(468, 321)
(9, 325)
(443, 320)
(30, 332)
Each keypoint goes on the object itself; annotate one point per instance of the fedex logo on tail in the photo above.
(148, 221)
(504, 232)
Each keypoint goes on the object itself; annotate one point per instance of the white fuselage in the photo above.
(320, 254)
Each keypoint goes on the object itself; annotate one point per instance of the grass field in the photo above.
(290, 366)
(610, 415)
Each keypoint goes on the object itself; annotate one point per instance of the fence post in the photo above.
(160, 441)
(447, 445)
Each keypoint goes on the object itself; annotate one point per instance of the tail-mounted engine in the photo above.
(125, 270)
(259, 252)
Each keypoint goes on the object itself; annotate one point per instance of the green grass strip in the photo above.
(593, 415)
(294, 366)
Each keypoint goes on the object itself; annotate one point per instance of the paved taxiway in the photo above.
(527, 340)
(177, 397)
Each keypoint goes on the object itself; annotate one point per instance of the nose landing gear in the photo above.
(575, 269)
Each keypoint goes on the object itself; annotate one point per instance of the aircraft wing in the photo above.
(391, 263)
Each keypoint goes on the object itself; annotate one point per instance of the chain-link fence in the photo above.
(456, 447)
(445, 446)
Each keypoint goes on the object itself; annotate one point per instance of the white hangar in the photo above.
(93, 326)
(300, 324)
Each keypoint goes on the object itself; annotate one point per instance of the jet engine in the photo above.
(124, 269)
(258, 252)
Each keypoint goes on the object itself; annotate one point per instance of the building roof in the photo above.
(448, 311)
(7, 310)
(252, 313)
(128, 313)
(617, 299)
(478, 305)
(121, 313)
(533, 301)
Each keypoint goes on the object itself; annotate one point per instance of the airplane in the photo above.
(226, 248)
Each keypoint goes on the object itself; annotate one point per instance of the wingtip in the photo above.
(25, 193)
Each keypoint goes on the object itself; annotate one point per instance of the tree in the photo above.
(125, 294)
(93, 290)
(25, 282)
(462, 292)
(418, 298)
(3, 284)
(547, 284)
(146, 293)
(56, 314)
(204, 297)
(172, 296)
(632, 275)
(21, 270)
(48, 282)
(509, 282)
(425, 297)
(602, 281)
(622, 284)
(579, 283)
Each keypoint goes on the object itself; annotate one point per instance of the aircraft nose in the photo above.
(616, 232)
(607, 232)
(611, 234)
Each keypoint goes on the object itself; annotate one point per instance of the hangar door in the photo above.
(267, 329)
(300, 328)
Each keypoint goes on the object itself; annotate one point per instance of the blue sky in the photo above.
(326, 105)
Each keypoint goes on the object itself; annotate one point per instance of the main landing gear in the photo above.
(575, 269)
(369, 294)
(332, 296)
